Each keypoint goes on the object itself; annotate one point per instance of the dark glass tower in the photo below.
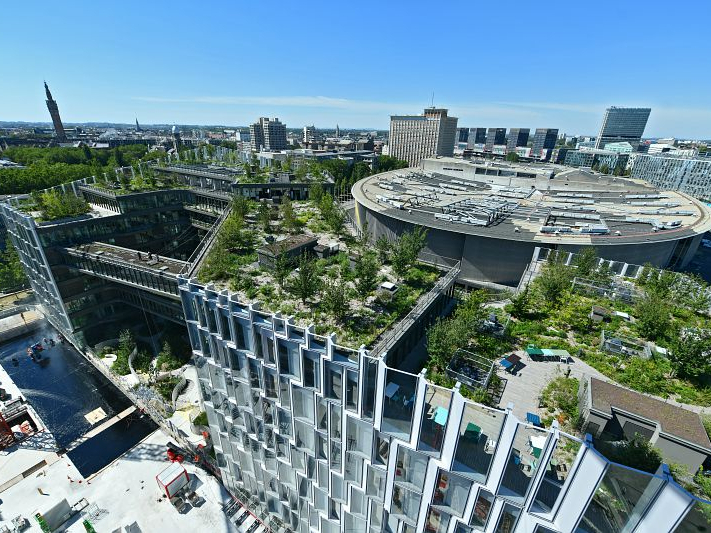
(54, 113)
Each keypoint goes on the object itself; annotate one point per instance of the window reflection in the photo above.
(478, 438)
(451, 493)
(482, 509)
(556, 473)
(508, 519)
(434, 421)
(698, 519)
(620, 500)
(523, 462)
(398, 403)
(437, 521)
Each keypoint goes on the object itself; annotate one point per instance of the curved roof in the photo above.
(540, 203)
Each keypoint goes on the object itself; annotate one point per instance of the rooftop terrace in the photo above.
(532, 204)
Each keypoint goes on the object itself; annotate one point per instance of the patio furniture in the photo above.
(490, 446)
(440, 416)
(534, 419)
(391, 389)
(506, 364)
(473, 432)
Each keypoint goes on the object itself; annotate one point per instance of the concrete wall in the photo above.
(676, 452)
(504, 261)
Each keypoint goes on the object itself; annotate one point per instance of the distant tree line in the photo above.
(47, 167)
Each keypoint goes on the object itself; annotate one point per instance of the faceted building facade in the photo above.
(325, 438)
(670, 173)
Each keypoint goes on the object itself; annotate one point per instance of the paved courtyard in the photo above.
(524, 388)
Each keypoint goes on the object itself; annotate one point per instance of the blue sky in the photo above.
(527, 64)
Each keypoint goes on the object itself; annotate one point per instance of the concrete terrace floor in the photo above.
(126, 491)
(524, 388)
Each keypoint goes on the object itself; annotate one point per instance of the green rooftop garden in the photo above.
(668, 313)
(339, 292)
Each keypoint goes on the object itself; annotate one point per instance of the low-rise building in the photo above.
(611, 412)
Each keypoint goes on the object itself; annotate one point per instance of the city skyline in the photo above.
(356, 81)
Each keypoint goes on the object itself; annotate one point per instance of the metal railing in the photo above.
(198, 256)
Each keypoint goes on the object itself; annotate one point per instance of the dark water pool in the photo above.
(64, 387)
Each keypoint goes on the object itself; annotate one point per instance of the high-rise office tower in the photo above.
(462, 135)
(309, 134)
(476, 136)
(54, 113)
(268, 134)
(517, 137)
(138, 128)
(415, 137)
(495, 136)
(544, 139)
(623, 124)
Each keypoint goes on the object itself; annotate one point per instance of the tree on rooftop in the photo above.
(287, 214)
(306, 282)
(406, 249)
(282, 268)
(512, 157)
(653, 317)
(248, 172)
(586, 262)
(54, 205)
(240, 206)
(554, 280)
(382, 246)
(335, 299)
(605, 169)
(264, 215)
(521, 303)
(366, 271)
(690, 353)
(315, 192)
(386, 162)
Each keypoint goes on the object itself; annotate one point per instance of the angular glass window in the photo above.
(697, 519)
(434, 421)
(557, 472)
(351, 390)
(381, 450)
(375, 483)
(359, 437)
(370, 384)
(620, 500)
(410, 468)
(436, 521)
(312, 371)
(334, 382)
(482, 509)
(478, 437)
(398, 403)
(451, 493)
(507, 520)
(335, 421)
(405, 504)
(524, 459)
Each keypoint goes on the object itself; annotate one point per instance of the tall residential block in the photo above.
(623, 124)
(517, 137)
(495, 136)
(267, 134)
(544, 139)
(309, 134)
(416, 137)
(54, 113)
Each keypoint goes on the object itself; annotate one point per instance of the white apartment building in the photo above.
(416, 137)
